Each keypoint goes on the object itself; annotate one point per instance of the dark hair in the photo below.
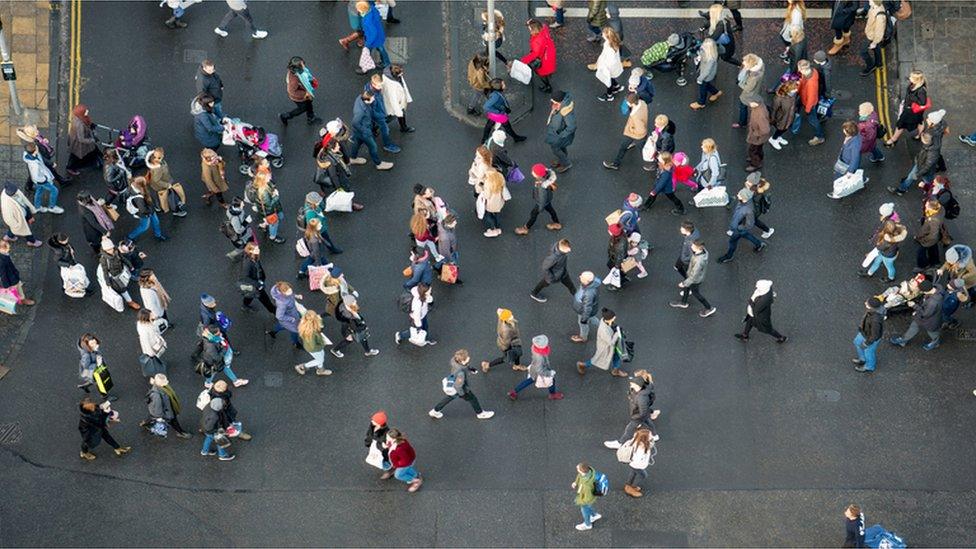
(294, 63)
(207, 63)
(396, 435)
(367, 95)
(849, 127)
(632, 98)
(687, 225)
(698, 242)
(608, 314)
(496, 84)
(88, 404)
(534, 25)
(145, 315)
(564, 242)
(419, 188)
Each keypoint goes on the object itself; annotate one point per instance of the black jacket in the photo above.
(253, 272)
(616, 251)
(854, 532)
(872, 325)
(212, 355)
(641, 404)
(350, 323)
(9, 275)
(91, 425)
(554, 265)
(378, 436)
(229, 414)
(500, 159)
(842, 14)
(210, 84)
(90, 226)
(762, 312)
(210, 421)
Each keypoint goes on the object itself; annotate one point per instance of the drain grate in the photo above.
(10, 433)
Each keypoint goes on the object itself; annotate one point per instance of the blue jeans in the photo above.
(52, 196)
(587, 511)
(889, 263)
(273, 229)
(744, 114)
(384, 132)
(812, 119)
(406, 474)
(207, 441)
(218, 110)
(384, 57)
(704, 90)
(614, 362)
(876, 153)
(734, 241)
(972, 136)
(584, 325)
(293, 335)
(178, 12)
(423, 326)
(866, 353)
(907, 182)
(358, 141)
(529, 381)
(949, 306)
(306, 263)
(144, 223)
(227, 370)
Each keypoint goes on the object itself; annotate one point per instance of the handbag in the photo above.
(315, 275)
(271, 219)
(840, 166)
(8, 302)
(375, 456)
(151, 365)
(628, 265)
(520, 72)
(479, 204)
(112, 213)
(449, 385)
(449, 273)
(625, 452)
(366, 62)
(515, 175)
(301, 248)
(545, 380)
(221, 439)
(869, 258)
(339, 201)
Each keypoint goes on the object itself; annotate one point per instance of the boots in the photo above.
(88, 456)
(175, 23)
(344, 42)
(840, 44)
(632, 491)
(123, 450)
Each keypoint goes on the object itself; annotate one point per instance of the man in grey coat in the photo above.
(554, 270)
(561, 129)
(459, 370)
(927, 316)
(586, 303)
(689, 234)
(163, 405)
(696, 275)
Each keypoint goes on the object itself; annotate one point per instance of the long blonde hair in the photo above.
(709, 49)
(612, 38)
(310, 325)
(792, 5)
(494, 182)
(313, 229)
(418, 223)
(917, 79)
(715, 16)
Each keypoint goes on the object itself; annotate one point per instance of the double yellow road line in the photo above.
(74, 66)
(881, 87)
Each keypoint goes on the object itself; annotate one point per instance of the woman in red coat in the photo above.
(402, 458)
(542, 52)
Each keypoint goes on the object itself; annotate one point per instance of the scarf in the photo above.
(173, 401)
(103, 220)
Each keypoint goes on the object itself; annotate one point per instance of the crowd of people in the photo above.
(139, 185)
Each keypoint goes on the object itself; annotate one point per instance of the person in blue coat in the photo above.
(640, 84)
(206, 126)
(362, 132)
(421, 271)
(286, 312)
(849, 158)
(742, 222)
(373, 33)
(375, 86)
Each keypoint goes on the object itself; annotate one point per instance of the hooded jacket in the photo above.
(928, 314)
(750, 82)
(872, 325)
(561, 128)
(641, 403)
(91, 425)
(286, 310)
(460, 373)
(362, 118)
(686, 252)
(964, 267)
(542, 47)
(373, 32)
(210, 84)
(554, 265)
(696, 268)
(586, 301)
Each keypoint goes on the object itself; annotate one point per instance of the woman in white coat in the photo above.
(154, 296)
(609, 66)
(396, 96)
(637, 453)
(151, 341)
(18, 214)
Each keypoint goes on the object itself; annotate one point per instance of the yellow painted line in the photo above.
(884, 94)
(74, 68)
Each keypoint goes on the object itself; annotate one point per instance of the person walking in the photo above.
(586, 304)
(543, 186)
(707, 61)
(379, 113)
(809, 92)
(635, 130)
(42, 179)
(403, 459)
(596, 19)
(640, 449)
(376, 439)
(478, 79)
(927, 315)
(93, 426)
(616, 255)
(374, 35)
(853, 527)
(362, 132)
(214, 177)
(169, 194)
(542, 53)
(213, 432)
(870, 128)
(30, 134)
(457, 382)
(421, 271)
(849, 158)
(215, 356)
(874, 30)
(18, 215)
(209, 82)
(585, 487)
(608, 65)
(353, 328)
(721, 26)
(554, 270)
(418, 307)
(95, 220)
(151, 343)
(924, 168)
(83, 150)
(207, 126)
(842, 13)
(154, 296)
(750, 81)
(238, 8)
(797, 49)
(237, 228)
(741, 224)
(116, 270)
(90, 359)
(10, 280)
(396, 96)
(266, 200)
(496, 110)
(759, 311)
(509, 342)
(784, 111)
(301, 87)
(491, 199)
(759, 132)
(869, 335)
(664, 184)
(561, 128)
(689, 235)
(761, 201)
(141, 206)
(314, 343)
(640, 400)
(886, 242)
(252, 281)
(931, 233)
(539, 371)
(608, 342)
(164, 406)
(695, 275)
(287, 313)
(209, 315)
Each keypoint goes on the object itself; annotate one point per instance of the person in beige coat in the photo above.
(874, 30)
(635, 130)
(492, 194)
(213, 175)
(18, 214)
(606, 356)
(509, 342)
(170, 193)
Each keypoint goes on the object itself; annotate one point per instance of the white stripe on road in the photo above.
(688, 13)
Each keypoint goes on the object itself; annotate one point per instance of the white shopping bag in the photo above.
(366, 62)
(520, 71)
(612, 278)
(339, 201)
(375, 456)
(869, 258)
(649, 150)
(75, 280)
(384, 11)
(418, 337)
(109, 296)
(848, 184)
(716, 196)
(480, 204)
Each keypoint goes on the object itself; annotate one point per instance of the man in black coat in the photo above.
(93, 426)
(554, 270)
(869, 335)
(759, 313)
(642, 412)
(927, 316)
(209, 82)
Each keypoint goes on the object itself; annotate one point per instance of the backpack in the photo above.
(203, 399)
(821, 81)
(447, 385)
(951, 207)
(300, 220)
(404, 300)
(877, 536)
(601, 484)
(889, 29)
(227, 229)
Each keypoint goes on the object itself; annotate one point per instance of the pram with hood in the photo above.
(252, 141)
(896, 298)
(132, 143)
(672, 55)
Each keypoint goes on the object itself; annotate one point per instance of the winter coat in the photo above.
(967, 271)
(872, 325)
(373, 32)
(9, 275)
(396, 95)
(543, 48)
(636, 126)
(850, 153)
(210, 84)
(743, 217)
(477, 78)
(874, 25)
(784, 107)
(596, 14)
(116, 177)
(868, 129)
(13, 210)
(37, 169)
(710, 163)
(87, 363)
(420, 273)
(888, 246)
(296, 90)
(210, 421)
(539, 365)
(460, 373)
(92, 425)
(419, 307)
(641, 403)
(928, 233)
(508, 335)
(447, 244)
(750, 82)
(378, 435)
(926, 162)
(378, 105)
(762, 312)
(542, 190)
(928, 314)
(809, 91)
(286, 310)
(81, 140)
(402, 454)
(151, 342)
(758, 127)
(500, 160)
(686, 252)
(607, 338)
(494, 202)
(496, 103)
(608, 65)
(212, 353)
(253, 273)
(362, 118)
(561, 128)
(640, 459)
(159, 177)
(696, 268)
(584, 488)
(207, 129)
(586, 301)
(645, 90)
(707, 69)
(228, 415)
(213, 177)
(314, 344)
(842, 14)
(616, 250)
(161, 403)
(554, 265)
(152, 301)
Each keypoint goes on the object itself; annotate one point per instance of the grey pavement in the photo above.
(761, 445)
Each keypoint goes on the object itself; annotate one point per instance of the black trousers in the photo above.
(565, 281)
(469, 396)
(534, 214)
(670, 196)
(490, 127)
(927, 256)
(681, 267)
(345, 342)
(264, 298)
(512, 355)
(749, 326)
(693, 290)
(301, 107)
(761, 225)
(106, 436)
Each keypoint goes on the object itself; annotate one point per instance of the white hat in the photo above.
(887, 209)
(107, 244)
(952, 255)
(935, 117)
(160, 380)
(498, 136)
(334, 126)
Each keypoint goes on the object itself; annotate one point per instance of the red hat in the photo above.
(379, 418)
(539, 170)
(615, 229)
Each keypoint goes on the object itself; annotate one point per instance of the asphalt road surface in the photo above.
(761, 444)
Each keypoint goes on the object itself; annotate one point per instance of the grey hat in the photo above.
(820, 56)
(744, 195)
(313, 198)
(674, 40)
(216, 404)
(207, 300)
(540, 341)
(753, 178)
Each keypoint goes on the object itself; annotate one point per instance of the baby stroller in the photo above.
(132, 143)
(252, 141)
(680, 47)
(896, 298)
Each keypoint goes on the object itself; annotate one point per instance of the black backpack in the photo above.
(300, 221)
(889, 29)
(404, 300)
(951, 206)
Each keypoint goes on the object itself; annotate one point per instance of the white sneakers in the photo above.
(220, 32)
(612, 444)
(257, 35)
(383, 166)
(54, 210)
(241, 382)
(768, 233)
(778, 143)
(486, 414)
(357, 161)
(435, 414)
(582, 527)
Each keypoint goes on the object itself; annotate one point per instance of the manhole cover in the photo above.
(272, 379)
(396, 46)
(828, 395)
(10, 433)
(194, 56)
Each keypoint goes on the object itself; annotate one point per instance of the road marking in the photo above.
(688, 13)
(74, 77)
(884, 93)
